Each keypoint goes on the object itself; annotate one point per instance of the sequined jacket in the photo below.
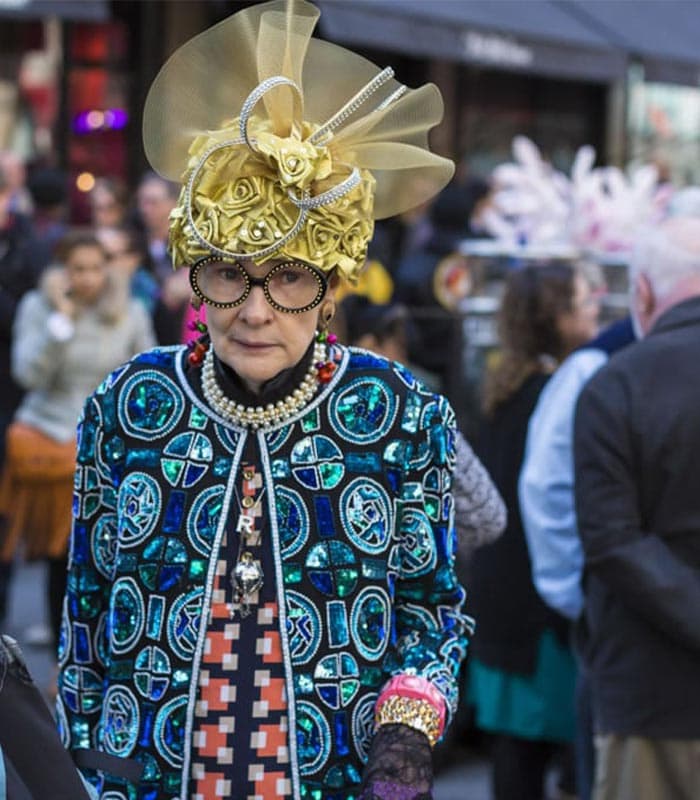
(367, 463)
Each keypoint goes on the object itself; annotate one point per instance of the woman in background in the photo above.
(522, 672)
(68, 334)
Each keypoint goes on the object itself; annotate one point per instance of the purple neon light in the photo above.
(111, 119)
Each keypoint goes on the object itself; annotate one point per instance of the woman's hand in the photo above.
(399, 767)
(56, 285)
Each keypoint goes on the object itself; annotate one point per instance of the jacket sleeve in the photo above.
(480, 513)
(636, 564)
(37, 354)
(546, 487)
(83, 645)
(430, 629)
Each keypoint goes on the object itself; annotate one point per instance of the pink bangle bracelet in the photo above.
(417, 688)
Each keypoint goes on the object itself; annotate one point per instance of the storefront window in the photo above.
(98, 110)
(664, 128)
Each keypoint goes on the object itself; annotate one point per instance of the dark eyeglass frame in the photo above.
(250, 282)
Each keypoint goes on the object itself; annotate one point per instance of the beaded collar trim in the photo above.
(273, 413)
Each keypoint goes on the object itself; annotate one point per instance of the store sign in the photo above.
(496, 49)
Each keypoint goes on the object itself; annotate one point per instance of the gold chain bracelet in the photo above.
(418, 714)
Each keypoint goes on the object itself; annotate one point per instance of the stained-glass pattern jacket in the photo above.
(360, 519)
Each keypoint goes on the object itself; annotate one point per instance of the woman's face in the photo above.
(106, 210)
(580, 324)
(86, 268)
(256, 340)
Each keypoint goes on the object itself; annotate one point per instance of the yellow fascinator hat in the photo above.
(285, 144)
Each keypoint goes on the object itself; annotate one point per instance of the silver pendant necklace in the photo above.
(247, 575)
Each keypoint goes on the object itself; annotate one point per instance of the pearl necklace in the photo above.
(272, 413)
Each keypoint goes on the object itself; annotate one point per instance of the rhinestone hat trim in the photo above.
(273, 413)
(229, 254)
(352, 105)
(254, 98)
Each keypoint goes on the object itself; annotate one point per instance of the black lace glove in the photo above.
(399, 767)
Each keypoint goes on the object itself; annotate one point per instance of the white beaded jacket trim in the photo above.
(273, 413)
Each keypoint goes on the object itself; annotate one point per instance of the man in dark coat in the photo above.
(637, 455)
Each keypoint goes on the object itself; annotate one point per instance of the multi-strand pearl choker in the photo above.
(272, 413)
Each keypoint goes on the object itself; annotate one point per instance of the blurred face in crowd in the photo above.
(580, 324)
(258, 341)
(117, 246)
(107, 211)
(13, 169)
(155, 204)
(86, 270)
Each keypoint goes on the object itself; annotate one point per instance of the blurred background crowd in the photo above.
(574, 126)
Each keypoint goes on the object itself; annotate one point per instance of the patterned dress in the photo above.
(168, 690)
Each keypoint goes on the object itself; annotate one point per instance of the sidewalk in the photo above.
(467, 780)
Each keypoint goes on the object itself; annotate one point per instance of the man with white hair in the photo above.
(637, 461)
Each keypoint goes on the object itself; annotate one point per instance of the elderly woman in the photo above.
(261, 600)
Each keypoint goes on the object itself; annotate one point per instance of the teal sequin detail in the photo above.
(411, 413)
(363, 411)
(332, 568)
(198, 419)
(310, 422)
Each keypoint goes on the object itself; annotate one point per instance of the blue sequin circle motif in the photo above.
(363, 411)
(120, 720)
(103, 544)
(128, 614)
(183, 623)
(169, 727)
(137, 508)
(363, 725)
(186, 459)
(81, 690)
(150, 405)
(152, 672)
(313, 738)
(317, 463)
(203, 519)
(367, 516)
(418, 553)
(337, 680)
(370, 619)
(292, 521)
(303, 628)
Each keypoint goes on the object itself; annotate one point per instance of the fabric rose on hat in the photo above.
(297, 163)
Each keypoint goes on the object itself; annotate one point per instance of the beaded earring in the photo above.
(325, 369)
(200, 345)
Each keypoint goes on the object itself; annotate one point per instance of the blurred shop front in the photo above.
(73, 78)
(60, 78)
(504, 69)
(74, 75)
